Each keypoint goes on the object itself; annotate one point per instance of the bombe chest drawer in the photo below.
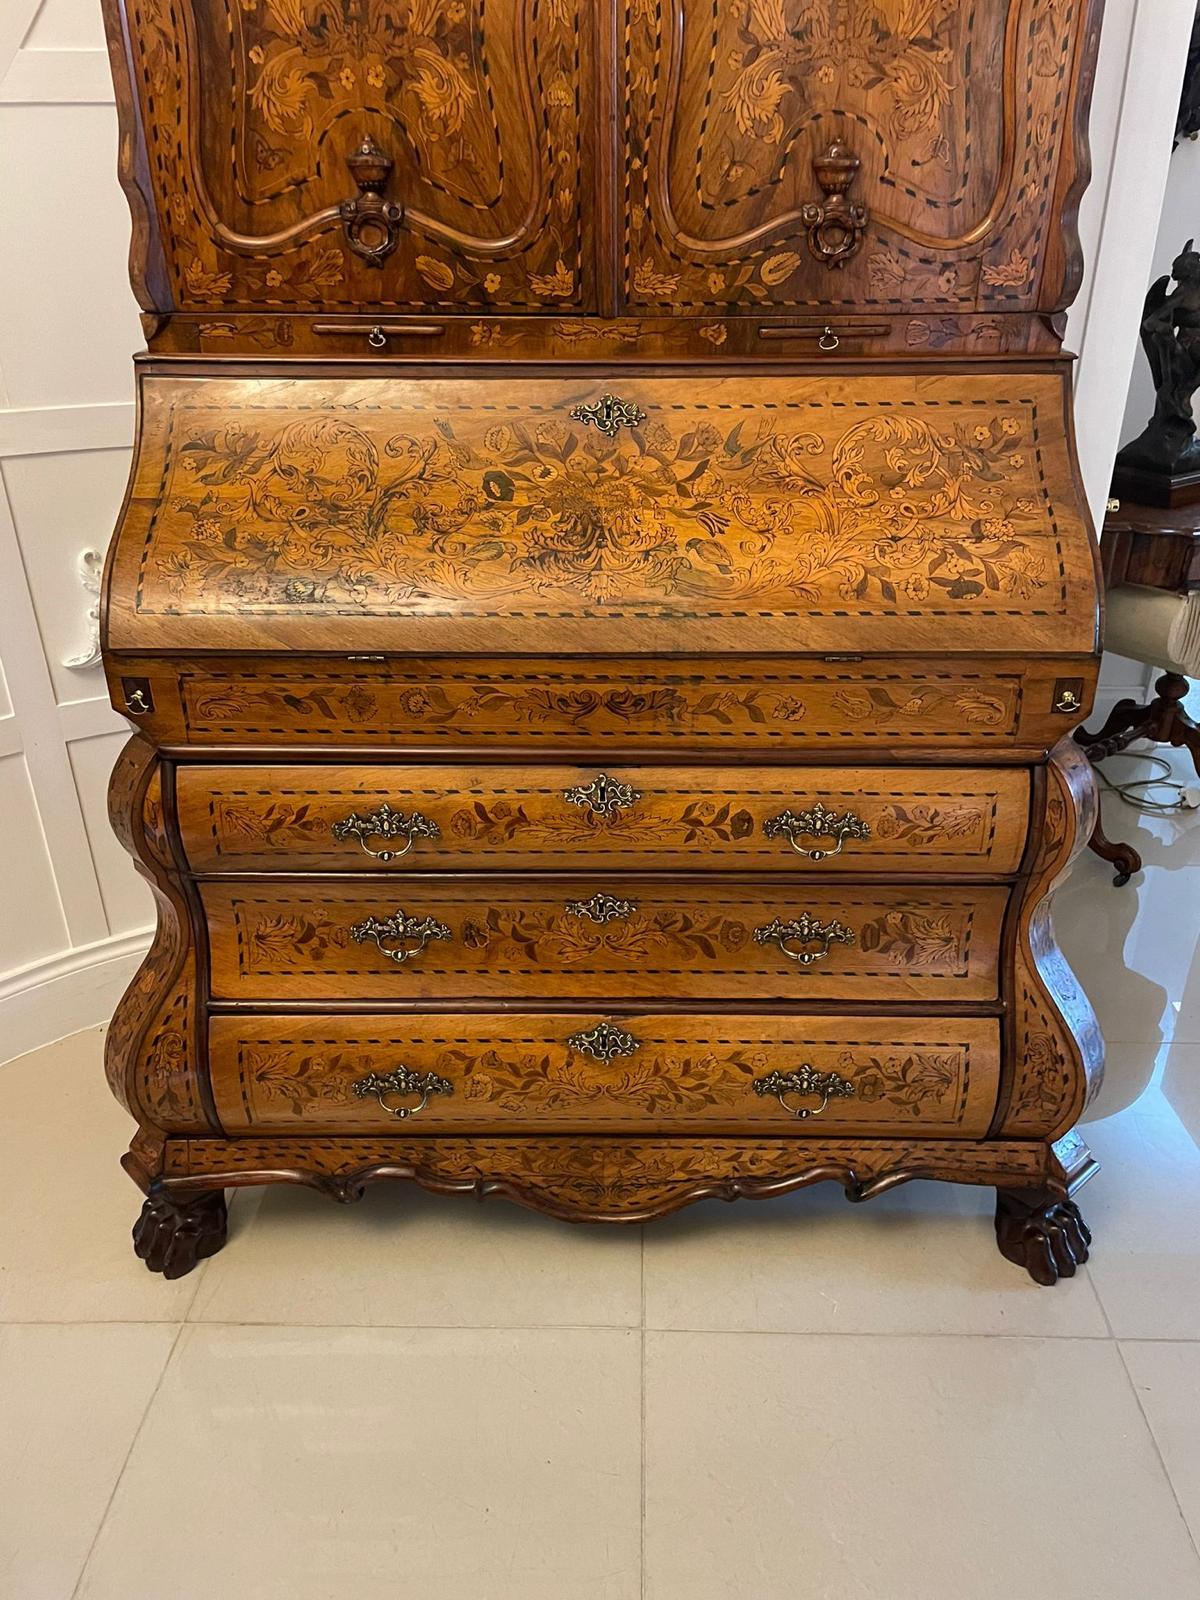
(602, 661)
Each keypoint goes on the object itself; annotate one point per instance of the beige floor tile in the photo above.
(1167, 1380)
(886, 1468)
(1143, 1208)
(65, 1223)
(407, 1259)
(384, 1464)
(71, 1401)
(1180, 1084)
(1136, 949)
(914, 1260)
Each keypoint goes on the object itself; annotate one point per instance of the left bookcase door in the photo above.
(337, 155)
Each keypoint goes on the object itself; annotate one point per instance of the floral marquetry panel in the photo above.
(954, 118)
(298, 1074)
(899, 513)
(311, 154)
(765, 938)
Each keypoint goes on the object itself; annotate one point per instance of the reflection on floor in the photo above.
(419, 1396)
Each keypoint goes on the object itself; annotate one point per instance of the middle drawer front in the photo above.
(953, 820)
(439, 938)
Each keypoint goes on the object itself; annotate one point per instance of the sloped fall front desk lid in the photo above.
(765, 514)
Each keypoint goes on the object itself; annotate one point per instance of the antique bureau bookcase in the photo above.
(604, 594)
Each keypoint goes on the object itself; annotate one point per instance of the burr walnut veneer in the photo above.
(603, 592)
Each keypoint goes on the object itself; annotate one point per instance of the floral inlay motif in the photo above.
(300, 82)
(727, 102)
(901, 509)
(669, 1080)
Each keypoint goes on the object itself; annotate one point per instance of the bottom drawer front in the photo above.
(936, 1076)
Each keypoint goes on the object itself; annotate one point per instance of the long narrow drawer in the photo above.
(504, 818)
(933, 1076)
(442, 938)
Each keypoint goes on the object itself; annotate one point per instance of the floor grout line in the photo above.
(593, 1327)
(642, 1515)
(1166, 1471)
(137, 1433)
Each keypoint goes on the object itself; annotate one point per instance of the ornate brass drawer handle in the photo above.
(604, 796)
(816, 823)
(601, 908)
(807, 1083)
(384, 823)
(805, 930)
(401, 1083)
(605, 1042)
(400, 927)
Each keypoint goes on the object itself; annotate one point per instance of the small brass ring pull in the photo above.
(804, 931)
(401, 1083)
(384, 823)
(377, 339)
(401, 928)
(817, 823)
(828, 340)
(807, 1083)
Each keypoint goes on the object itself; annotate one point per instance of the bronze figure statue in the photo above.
(1162, 465)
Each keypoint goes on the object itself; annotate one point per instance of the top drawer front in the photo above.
(438, 818)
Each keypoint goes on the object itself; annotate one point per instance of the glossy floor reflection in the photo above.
(422, 1396)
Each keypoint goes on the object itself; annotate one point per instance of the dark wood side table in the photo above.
(1155, 548)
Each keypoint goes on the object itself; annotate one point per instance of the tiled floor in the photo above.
(421, 1397)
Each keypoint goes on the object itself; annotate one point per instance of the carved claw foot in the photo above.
(173, 1236)
(1045, 1235)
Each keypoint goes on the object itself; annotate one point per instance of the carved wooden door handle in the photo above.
(804, 931)
(372, 223)
(835, 225)
(806, 1083)
(401, 1083)
(404, 930)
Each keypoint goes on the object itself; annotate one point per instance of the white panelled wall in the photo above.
(74, 917)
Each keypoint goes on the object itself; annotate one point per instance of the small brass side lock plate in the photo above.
(137, 696)
(1067, 700)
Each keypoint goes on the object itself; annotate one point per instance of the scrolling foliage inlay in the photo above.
(441, 507)
(252, 108)
(956, 109)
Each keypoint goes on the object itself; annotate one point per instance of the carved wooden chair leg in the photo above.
(1041, 1232)
(1127, 721)
(174, 1235)
(1177, 727)
(1123, 856)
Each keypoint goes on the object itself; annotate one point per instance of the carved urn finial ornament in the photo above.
(372, 223)
(835, 225)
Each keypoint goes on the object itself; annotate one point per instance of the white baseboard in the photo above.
(50, 999)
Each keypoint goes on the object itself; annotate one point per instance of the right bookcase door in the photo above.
(782, 155)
